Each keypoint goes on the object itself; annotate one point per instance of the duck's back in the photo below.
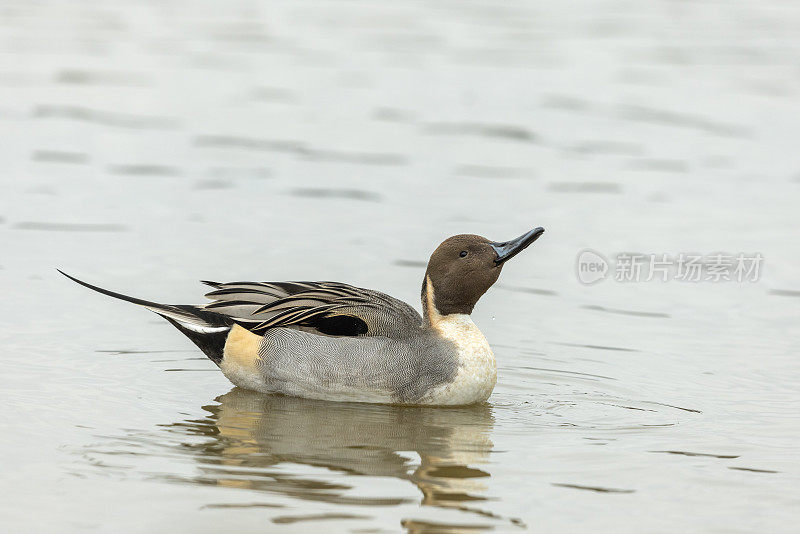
(329, 308)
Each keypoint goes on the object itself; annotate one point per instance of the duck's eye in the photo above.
(463, 253)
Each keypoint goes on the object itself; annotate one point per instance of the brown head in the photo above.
(464, 267)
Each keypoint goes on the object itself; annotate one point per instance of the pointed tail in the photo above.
(208, 330)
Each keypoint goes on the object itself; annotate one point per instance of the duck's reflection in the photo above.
(254, 434)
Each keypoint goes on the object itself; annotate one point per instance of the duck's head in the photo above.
(464, 267)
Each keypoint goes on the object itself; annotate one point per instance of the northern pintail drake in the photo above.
(336, 342)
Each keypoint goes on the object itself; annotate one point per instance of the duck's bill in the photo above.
(508, 249)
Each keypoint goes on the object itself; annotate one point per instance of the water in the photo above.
(149, 145)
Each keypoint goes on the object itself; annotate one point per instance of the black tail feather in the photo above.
(114, 294)
(208, 336)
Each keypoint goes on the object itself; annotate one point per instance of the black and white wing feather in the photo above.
(329, 308)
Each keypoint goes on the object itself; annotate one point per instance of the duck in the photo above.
(332, 341)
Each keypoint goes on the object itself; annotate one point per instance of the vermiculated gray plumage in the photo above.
(299, 363)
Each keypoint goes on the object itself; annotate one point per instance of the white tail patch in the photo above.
(204, 329)
(188, 321)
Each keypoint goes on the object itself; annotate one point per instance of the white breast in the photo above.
(477, 367)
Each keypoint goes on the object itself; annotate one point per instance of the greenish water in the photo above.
(150, 145)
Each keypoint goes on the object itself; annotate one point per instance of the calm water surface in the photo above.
(147, 145)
